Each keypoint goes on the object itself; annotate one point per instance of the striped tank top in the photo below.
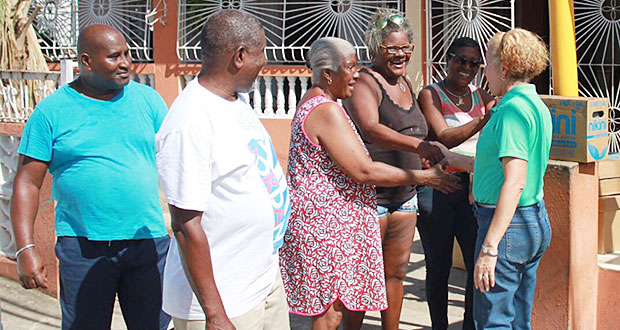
(455, 117)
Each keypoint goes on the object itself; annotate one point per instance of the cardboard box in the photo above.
(580, 129)
(609, 224)
(608, 187)
(609, 168)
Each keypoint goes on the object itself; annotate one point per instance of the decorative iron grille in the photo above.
(56, 27)
(59, 21)
(447, 20)
(290, 26)
(597, 32)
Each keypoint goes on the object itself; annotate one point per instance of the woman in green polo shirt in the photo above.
(511, 160)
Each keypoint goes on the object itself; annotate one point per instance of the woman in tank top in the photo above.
(331, 260)
(455, 112)
(386, 112)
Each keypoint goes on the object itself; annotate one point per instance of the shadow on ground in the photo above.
(29, 309)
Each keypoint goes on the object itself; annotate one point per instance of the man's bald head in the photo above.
(97, 36)
(226, 30)
(103, 57)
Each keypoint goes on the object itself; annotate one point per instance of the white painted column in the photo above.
(268, 97)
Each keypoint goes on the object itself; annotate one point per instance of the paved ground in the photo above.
(32, 310)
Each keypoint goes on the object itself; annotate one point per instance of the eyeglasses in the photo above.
(407, 49)
(395, 18)
(474, 64)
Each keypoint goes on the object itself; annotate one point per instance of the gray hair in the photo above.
(374, 36)
(327, 53)
(226, 30)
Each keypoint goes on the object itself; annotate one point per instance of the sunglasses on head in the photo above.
(462, 61)
(395, 18)
(390, 49)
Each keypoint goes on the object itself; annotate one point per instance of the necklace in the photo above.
(460, 97)
(402, 86)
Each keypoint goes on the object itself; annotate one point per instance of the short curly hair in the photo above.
(226, 30)
(374, 36)
(522, 53)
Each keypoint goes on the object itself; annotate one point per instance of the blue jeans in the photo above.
(409, 206)
(442, 218)
(509, 303)
(93, 272)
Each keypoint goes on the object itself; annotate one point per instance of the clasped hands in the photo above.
(437, 158)
(434, 153)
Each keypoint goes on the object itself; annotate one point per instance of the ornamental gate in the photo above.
(290, 26)
(447, 20)
(597, 30)
(58, 23)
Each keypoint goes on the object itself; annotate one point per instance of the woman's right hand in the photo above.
(432, 152)
(438, 179)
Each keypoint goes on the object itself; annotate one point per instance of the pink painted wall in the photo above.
(280, 131)
(608, 299)
(566, 295)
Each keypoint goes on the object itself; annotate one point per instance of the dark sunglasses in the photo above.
(474, 64)
(395, 18)
(407, 49)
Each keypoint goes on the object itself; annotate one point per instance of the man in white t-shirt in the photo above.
(225, 188)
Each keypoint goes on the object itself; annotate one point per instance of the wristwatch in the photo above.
(487, 250)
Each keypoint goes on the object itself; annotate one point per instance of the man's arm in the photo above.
(196, 259)
(24, 206)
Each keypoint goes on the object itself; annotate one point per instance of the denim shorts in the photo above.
(409, 206)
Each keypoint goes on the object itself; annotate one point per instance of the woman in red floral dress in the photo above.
(331, 260)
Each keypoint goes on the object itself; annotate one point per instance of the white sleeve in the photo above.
(184, 167)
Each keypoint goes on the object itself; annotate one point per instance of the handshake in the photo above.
(436, 158)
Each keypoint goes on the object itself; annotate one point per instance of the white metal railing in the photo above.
(8, 168)
(20, 91)
(274, 96)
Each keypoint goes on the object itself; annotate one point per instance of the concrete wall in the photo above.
(608, 299)
(566, 295)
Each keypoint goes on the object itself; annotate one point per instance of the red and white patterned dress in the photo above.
(332, 247)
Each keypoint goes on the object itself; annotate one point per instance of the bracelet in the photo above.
(487, 250)
(24, 248)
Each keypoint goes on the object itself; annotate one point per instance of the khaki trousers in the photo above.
(269, 314)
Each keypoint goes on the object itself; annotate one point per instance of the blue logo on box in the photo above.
(569, 122)
(594, 152)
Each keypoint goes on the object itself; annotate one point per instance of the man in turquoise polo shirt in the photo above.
(96, 136)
